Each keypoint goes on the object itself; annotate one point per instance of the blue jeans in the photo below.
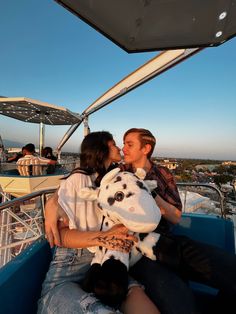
(61, 292)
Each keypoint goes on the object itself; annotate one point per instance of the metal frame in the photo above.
(151, 69)
(12, 241)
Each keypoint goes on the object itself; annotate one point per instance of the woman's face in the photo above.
(114, 152)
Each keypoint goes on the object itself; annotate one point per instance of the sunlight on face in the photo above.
(133, 153)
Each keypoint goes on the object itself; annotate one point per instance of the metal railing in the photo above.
(14, 169)
(21, 223)
(218, 200)
(22, 219)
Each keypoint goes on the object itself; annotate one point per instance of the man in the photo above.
(30, 164)
(162, 285)
(178, 258)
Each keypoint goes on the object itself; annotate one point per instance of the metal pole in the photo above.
(41, 137)
(67, 135)
(86, 126)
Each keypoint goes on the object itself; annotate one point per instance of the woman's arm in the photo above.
(117, 238)
(58, 233)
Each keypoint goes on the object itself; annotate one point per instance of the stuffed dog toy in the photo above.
(123, 198)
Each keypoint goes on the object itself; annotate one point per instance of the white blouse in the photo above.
(83, 215)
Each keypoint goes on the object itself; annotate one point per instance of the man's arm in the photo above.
(170, 212)
(167, 196)
(52, 162)
(54, 213)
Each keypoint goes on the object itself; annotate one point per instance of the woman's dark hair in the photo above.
(94, 153)
(47, 151)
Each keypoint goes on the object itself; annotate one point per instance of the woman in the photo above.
(61, 292)
(48, 153)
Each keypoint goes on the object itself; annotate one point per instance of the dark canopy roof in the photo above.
(145, 25)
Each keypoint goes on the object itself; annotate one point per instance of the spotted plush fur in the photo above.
(124, 198)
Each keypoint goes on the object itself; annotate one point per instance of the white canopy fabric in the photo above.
(154, 67)
(35, 111)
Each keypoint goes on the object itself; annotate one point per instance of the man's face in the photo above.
(133, 153)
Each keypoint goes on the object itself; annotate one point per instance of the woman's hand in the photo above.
(117, 238)
(55, 218)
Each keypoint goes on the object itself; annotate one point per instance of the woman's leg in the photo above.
(138, 302)
(69, 298)
(68, 265)
(61, 291)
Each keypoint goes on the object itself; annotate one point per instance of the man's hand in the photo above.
(55, 218)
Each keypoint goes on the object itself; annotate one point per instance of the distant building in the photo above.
(13, 150)
(206, 167)
(229, 163)
(170, 164)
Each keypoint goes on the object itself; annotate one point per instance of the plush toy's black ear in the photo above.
(112, 287)
(91, 277)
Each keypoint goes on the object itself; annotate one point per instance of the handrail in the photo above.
(49, 191)
(37, 227)
(18, 228)
(221, 196)
(27, 197)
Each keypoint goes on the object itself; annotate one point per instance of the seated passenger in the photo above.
(17, 156)
(47, 153)
(31, 164)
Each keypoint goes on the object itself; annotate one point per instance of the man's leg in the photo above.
(215, 267)
(168, 291)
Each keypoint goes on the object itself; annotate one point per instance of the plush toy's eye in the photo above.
(119, 196)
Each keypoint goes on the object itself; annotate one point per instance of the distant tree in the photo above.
(232, 170)
(220, 169)
(185, 177)
(222, 179)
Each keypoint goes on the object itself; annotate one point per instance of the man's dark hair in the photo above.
(30, 148)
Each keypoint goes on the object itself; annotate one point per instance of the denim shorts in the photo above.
(61, 291)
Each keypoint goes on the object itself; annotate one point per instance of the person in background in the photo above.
(48, 153)
(17, 156)
(30, 164)
(62, 292)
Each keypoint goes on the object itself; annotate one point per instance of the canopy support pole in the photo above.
(41, 137)
(86, 126)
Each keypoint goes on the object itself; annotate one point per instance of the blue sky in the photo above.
(50, 55)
